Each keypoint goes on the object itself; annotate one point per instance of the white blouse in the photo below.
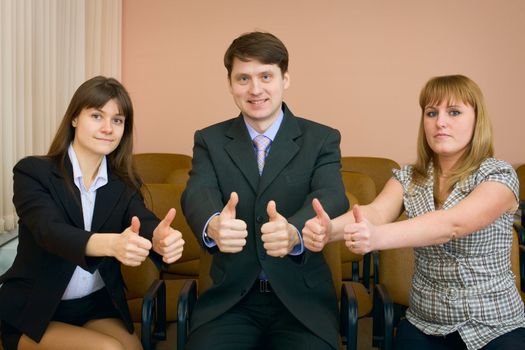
(82, 282)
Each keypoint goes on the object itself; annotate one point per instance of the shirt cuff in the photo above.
(299, 247)
(208, 242)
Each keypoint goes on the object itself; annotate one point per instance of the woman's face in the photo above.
(449, 127)
(98, 131)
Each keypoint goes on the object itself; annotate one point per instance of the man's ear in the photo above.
(230, 88)
(286, 80)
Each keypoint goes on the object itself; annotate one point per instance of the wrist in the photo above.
(329, 231)
(100, 245)
(212, 228)
(109, 242)
(379, 240)
(334, 236)
(292, 231)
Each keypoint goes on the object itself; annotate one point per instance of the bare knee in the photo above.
(109, 343)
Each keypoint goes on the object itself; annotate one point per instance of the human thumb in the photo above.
(318, 208)
(271, 209)
(166, 222)
(135, 225)
(357, 213)
(319, 212)
(229, 209)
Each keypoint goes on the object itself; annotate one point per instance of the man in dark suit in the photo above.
(249, 194)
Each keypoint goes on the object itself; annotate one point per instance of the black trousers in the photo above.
(409, 337)
(259, 321)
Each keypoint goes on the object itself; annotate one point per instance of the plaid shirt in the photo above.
(466, 284)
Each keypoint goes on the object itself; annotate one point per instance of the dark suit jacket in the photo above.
(303, 163)
(52, 242)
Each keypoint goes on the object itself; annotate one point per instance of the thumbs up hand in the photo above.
(278, 236)
(129, 248)
(167, 241)
(316, 231)
(359, 235)
(228, 232)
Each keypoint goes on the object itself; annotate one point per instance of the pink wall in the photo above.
(355, 65)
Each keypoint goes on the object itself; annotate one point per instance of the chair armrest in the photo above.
(348, 315)
(383, 318)
(366, 270)
(375, 257)
(153, 314)
(185, 304)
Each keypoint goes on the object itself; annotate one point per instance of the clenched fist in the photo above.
(228, 232)
(316, 231)
(278, 236)
(167, 241)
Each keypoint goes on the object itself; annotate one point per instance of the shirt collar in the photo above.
(102, 176)
(271, 131)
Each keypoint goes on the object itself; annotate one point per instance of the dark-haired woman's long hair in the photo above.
(95, 93)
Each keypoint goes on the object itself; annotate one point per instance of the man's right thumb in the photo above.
(232, 203)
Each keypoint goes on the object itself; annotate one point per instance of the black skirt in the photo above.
(97, 305)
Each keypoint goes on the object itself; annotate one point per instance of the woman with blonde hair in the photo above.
(460, 203)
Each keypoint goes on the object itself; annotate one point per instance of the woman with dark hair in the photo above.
(460, 202)
(81, 216)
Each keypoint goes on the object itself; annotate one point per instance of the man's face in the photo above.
(258, 91)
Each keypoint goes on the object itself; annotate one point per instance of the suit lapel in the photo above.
(70, 201)
(107, 198)
(282, 150)
(240, 150)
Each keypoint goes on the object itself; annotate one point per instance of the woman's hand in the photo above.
(316, 231)
(128, 247)
(167, 241)
(359, 236)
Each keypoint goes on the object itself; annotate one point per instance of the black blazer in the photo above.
(303, 163)
(52, 242)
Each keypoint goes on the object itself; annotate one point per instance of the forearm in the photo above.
(440, 226)
(338, 225)
(325, 182)
(436, 227)
(202, 197)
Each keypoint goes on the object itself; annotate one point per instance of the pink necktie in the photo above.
(261, 142)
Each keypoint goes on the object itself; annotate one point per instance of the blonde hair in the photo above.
(456, 88)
